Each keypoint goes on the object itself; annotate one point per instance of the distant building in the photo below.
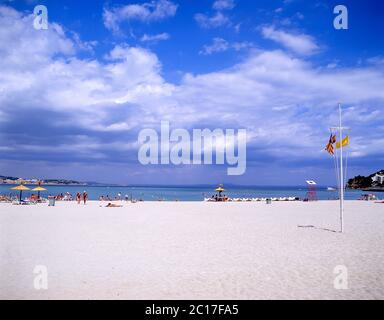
(378, 178)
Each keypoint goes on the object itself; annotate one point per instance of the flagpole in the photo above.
(341, 173)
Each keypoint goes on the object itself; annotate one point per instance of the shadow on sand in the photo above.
(318, 228)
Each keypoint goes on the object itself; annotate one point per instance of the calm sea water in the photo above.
(187, 193)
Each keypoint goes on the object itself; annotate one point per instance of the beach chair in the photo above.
(20, 202)
(5, 199)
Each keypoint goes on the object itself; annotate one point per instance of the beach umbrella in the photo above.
(38, 189)
(219, 189)
(20, 188)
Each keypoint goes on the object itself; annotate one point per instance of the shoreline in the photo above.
(186, 201)
(182, 193)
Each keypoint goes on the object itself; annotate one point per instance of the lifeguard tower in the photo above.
(312, 190)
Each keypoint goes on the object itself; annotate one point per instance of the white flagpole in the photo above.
(341, 173)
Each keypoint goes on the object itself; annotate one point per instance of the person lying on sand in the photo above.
(112, 205)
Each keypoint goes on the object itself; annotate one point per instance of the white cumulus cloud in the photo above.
(155, 37)
(298, 42)
(217, 20)
(223, 4)
(221, 45)
(147, 12)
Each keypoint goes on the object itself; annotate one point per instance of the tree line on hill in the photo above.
(363, 182)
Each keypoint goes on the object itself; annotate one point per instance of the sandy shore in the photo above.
(185, 250)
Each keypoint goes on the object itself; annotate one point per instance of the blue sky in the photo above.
(74, 97)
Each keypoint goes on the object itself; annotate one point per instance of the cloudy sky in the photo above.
(74, 97)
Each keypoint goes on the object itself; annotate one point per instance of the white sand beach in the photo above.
(192, 250)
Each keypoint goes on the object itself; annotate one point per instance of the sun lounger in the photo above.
(22, 202)
(5, 199)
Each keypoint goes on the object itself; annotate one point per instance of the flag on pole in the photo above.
(329, 147)
(344, 142)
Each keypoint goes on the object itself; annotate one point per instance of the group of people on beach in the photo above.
(219, 197)
(83, 197)
(118, 197)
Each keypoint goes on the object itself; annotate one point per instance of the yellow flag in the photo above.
(344, 142)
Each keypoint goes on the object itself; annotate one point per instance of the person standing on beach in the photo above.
(78, 197)
(85, 197)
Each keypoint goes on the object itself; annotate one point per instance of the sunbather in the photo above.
(112, 205)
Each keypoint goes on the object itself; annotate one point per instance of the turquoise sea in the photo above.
(187, 193)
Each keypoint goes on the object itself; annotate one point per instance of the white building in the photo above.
(379, 178)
